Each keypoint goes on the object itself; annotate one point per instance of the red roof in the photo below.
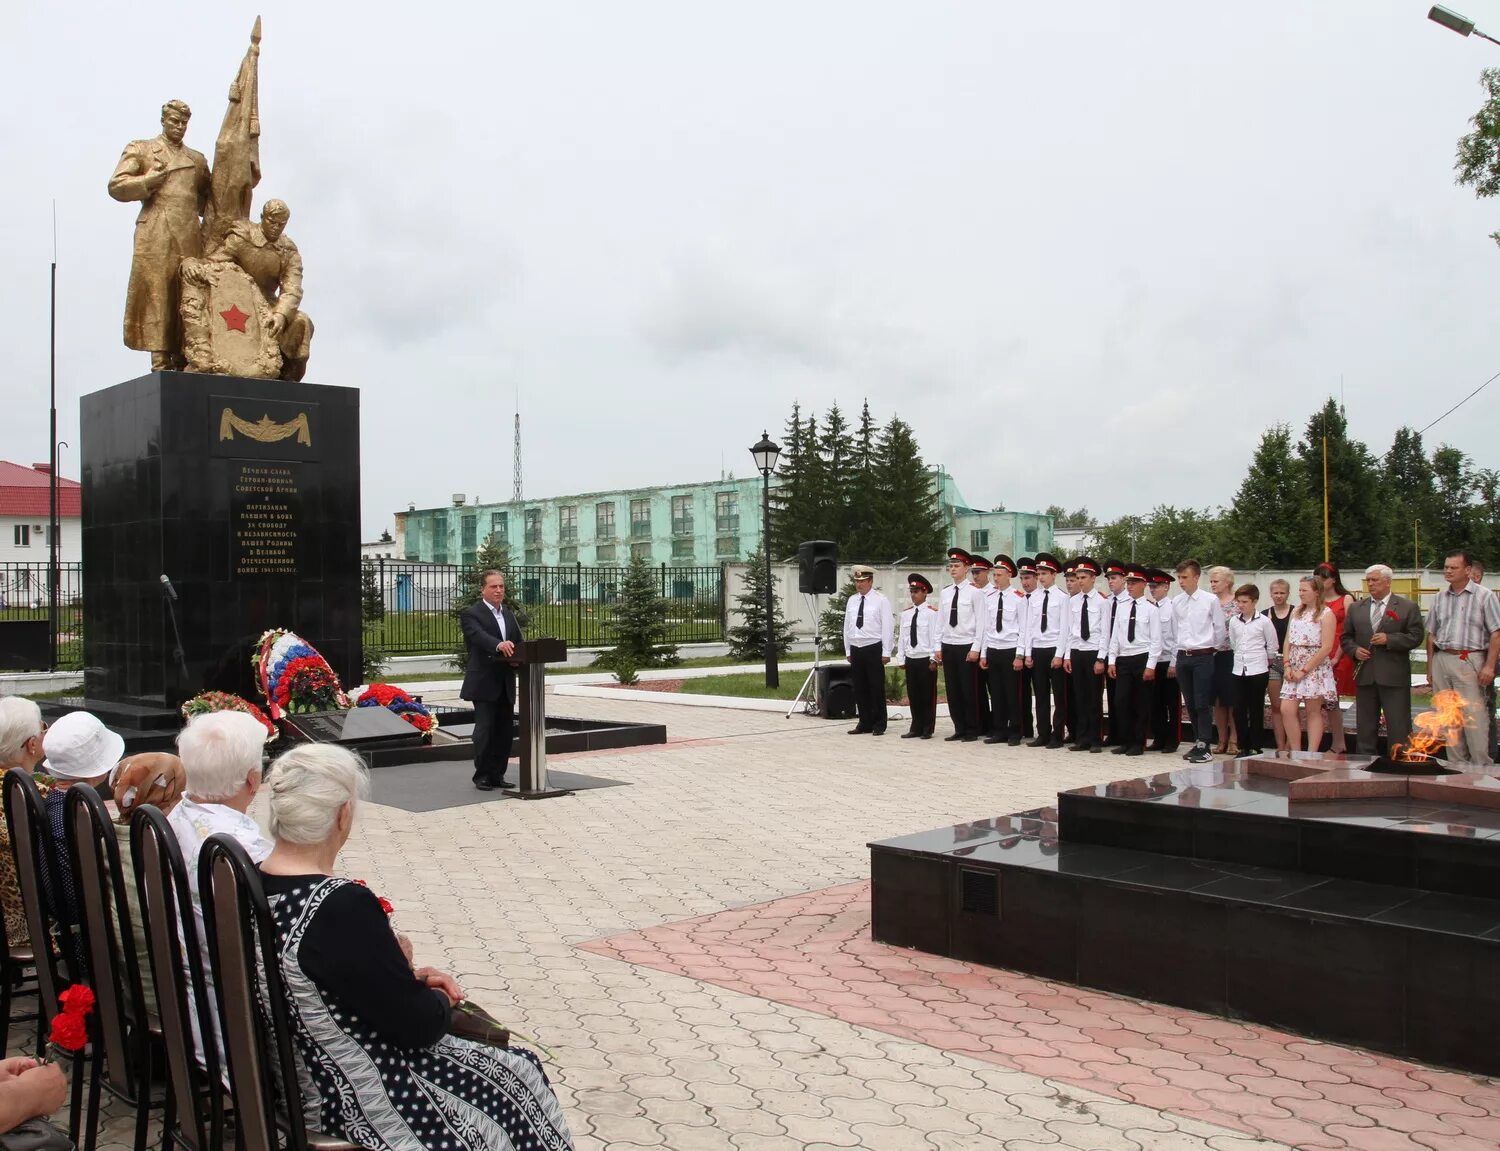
(26, 492)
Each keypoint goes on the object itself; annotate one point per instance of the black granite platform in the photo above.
(1372, 922)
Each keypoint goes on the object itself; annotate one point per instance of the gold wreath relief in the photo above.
(265, 430)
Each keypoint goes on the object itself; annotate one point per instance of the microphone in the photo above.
(168, 590)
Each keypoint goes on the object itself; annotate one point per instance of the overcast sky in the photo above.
(1088, 250)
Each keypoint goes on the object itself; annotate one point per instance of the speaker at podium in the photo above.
(818, 567)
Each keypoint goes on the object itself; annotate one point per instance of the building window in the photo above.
(23, 535)
(727, 513)
(727, 546)
(568, 555)
(979, 540)
(533, 556)
(468, 529)
(439, 557)
(682, 515)
(605, 554)
(640, 519)
(499, 527)
(567, 524)
(682, 549)
(533, 526)
(1031, 539)
(641, 552)
(604, 521)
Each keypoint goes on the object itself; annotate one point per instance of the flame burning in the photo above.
(1435, 728)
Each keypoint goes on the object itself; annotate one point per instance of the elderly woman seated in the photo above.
(372, 1033)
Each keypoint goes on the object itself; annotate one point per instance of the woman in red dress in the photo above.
(1338, 599)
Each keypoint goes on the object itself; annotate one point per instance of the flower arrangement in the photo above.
(293, 677)
(69, 1029)
(226, 701)
(394, 700)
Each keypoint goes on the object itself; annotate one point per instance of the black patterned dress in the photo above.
(375, 1062)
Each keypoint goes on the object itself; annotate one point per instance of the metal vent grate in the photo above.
(979, 892)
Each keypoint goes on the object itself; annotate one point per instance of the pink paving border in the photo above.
(814, 951)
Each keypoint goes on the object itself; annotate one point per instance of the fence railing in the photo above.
(574, 602)
(25, 594)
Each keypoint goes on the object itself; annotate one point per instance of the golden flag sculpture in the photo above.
(236, 169)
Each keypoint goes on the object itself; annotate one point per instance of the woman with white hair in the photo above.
(372, 1033)
(21, 731)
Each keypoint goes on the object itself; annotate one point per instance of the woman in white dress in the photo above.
(1308, 678)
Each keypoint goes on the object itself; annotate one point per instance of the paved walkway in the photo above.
(678, 949)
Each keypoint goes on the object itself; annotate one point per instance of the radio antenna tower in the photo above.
(516, 456)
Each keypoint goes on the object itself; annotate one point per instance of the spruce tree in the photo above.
(1272, 523)
(1453, 476)
(371, 611)
(747, 638)
(907, 520)
(838, 479)
(1413, 510)
(789, 497)
(1356, 504)
(861, 536)
(638, 624)
(371, 600)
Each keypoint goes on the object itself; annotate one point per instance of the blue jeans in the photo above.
(1195, 675)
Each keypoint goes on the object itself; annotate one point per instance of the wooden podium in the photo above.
(533, 656)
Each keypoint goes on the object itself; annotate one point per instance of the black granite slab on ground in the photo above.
(437, 786)
(1374, 922)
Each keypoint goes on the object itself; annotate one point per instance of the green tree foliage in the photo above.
(907, 520)
(638, 624)
(1357, 506)
(1453, 477)
(1163, 538)
(795, 498)
(747, 639)
(1412, 511)
(371, 601)
(1066, 519)
(840, 491)
(1271, 523)
(1478, 161)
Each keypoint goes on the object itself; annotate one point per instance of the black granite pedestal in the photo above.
(245, 495)
(1366, 921)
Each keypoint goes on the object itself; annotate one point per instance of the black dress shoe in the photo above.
(484, 785)
(971, 739)
(1056, 745)
(1118, 749)
(1039, 741)
(911, 735)
(1078, 747)
(878, 731)
(1135, 749)
(858, 731)
(927, 735)
(1014, 741)
(1096, 749)
(994, 739)
(954, 738)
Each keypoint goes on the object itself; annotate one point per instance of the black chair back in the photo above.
(251, 995)
(26, 820)
(176, 972)
(108, 946)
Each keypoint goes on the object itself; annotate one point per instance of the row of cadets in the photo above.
(979, 576)
(918, 636)
(1001, 661)
(1134, 652)
(1166, 700)
(867, 647)
(1088, 642)
(1045, 643)
(961, 618)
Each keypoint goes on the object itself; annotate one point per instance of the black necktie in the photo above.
(1114, 614)
(1045, 598)
(914, 612)
(1130, 627)
(859, 620)
(1083, 627)
(953, 610)
(1000, 612)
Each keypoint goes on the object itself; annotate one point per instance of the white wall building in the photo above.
(25, 509)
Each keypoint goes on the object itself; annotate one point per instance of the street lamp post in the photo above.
(1460, 24)
(765, 454)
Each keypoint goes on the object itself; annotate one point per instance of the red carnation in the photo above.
(1390, 615)
(77, 1000)
(68, 1031)
(386, 905)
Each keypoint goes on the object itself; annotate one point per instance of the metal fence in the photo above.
(25, 595)
(572, 602)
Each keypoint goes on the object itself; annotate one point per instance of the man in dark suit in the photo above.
(491, 635)
(1379, 634)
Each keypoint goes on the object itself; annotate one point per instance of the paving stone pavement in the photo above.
(738, 810)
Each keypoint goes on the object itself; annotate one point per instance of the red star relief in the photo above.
(234, 319)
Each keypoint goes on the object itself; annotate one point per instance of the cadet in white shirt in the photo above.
(1199, 630)
(1088, 641)
(918, 637)
(1252, 643)
(961, 617)
(1026, 710)
(1046, 646)
(1115, 597)
(1134, 649)
(867, 646)
(979, 576)
(1166, 700)
(1005, 614)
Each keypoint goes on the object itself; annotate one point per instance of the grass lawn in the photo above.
(437, 632)
(702, 661)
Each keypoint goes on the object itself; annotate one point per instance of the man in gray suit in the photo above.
(1380, 632)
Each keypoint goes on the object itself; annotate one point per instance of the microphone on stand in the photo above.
(167, 589)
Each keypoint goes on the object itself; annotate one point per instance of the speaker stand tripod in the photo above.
(814, 603)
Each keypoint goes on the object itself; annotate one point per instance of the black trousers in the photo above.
(1130, 697)
(982, 704)
(1166, 708)
(1112, 735)
(869, 686)
(921, 694)
(494, 729)
(1250, 709)
(1049, 685)
(1005, 692)
(959, 682)
(1086, 699)
(1026, 695)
